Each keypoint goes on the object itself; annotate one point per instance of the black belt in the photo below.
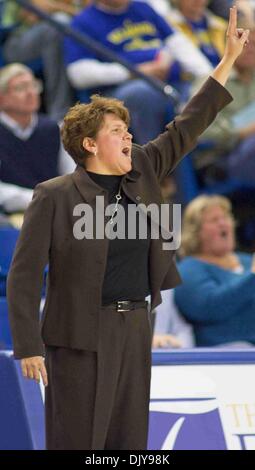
(127, 305)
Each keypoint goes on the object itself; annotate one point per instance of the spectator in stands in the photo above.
(233, 132)
(32, 39)
(245, 10)
(165, 341)
(217, 294)
(14, 198)
(138, 34)
(163, 7)
(171, 330)
(218, 7)
(30, 150)
(202, 27)
(168, 190)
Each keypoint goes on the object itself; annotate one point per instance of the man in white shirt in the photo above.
(23, 131)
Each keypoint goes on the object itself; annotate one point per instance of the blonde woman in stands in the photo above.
(217, 294)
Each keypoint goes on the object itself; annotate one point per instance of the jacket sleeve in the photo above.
(25, 279)
(182, 133)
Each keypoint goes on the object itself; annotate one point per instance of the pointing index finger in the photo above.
(232, 24)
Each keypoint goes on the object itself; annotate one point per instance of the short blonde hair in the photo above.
(10, 71)
(192, 221)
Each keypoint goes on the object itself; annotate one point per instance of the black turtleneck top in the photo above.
(127, 270)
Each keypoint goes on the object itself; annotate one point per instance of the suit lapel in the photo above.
(85, 185)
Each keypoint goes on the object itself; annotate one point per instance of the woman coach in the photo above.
(95, 329)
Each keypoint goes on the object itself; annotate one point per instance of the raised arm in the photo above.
(167, 150)
(236, 40)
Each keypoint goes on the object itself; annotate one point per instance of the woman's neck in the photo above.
(23, 120)
(192, 15)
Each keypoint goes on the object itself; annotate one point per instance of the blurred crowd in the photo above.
(176, 42)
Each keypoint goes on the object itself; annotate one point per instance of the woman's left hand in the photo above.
(237, 38)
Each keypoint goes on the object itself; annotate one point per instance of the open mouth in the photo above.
(223, 233)
(126, 152)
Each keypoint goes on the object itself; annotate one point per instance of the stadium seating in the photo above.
(8, 238)
(5, 334)
(190, 186)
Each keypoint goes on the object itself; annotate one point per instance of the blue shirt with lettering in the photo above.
(137, 34)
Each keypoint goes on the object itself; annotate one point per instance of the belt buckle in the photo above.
(120, 306)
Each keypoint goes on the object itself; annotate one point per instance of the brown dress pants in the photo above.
(100, 400)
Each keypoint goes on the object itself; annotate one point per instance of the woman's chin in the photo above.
(126, 167)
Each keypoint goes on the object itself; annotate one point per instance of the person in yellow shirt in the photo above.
(201, 26)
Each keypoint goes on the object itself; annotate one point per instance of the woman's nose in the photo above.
(128, 136)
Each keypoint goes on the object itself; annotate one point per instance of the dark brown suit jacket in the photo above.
(76, 267)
